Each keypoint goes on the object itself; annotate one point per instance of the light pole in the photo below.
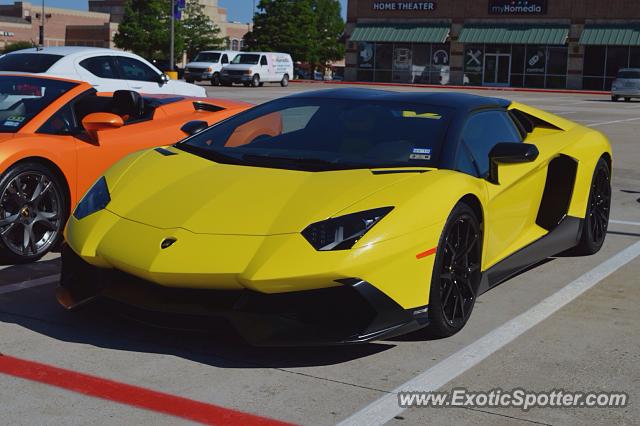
(41, 38)
(171, 43)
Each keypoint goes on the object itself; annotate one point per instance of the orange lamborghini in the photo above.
(58, 136)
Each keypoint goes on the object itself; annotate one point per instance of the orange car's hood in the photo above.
(186, 191)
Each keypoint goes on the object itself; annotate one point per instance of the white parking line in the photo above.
(386, 408)
(10, 288)
(624, 222)
(612, 122)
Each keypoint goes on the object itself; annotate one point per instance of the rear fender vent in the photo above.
(204, 106)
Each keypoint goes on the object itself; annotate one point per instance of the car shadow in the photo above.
(10, 274)
(38, 311)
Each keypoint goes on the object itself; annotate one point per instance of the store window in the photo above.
(403, 62)
(516, 65)
(601, 64)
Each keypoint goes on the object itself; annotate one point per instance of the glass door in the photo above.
(496, 69)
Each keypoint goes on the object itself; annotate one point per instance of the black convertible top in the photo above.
(462, 102)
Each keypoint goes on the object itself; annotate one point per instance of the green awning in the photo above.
(514, 34)
(611, 35)
(401, 33)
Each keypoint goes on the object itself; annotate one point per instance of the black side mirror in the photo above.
(509, 153)
(163, 79)
(193, 127)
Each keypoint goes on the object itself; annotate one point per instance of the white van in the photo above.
(256, 68)
(207, 65)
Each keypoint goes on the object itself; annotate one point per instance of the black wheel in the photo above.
(594, 229)
(285, 80)
(255, 81)
(456, 273)
(215, 80)
(261, 84)
(246, 84)
(627, 99)
(614, 98)
(33, 210)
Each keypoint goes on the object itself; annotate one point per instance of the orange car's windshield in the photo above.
(22, 98)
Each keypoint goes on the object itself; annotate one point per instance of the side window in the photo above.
(132, 69)
(263, 60)
(60, 123)
(100, 66)
(224, 60)
(483, 131)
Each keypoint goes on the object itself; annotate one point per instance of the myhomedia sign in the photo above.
(404, 5)
(517, 7)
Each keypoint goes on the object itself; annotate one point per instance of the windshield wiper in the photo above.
(305, 161)
(209, 154)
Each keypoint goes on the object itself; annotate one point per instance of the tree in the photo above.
(145, 29)
(329, 30)
(310, 30)
(198, 31)
(18, 45)
(284, 25)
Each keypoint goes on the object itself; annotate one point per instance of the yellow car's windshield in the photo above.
(324, 134)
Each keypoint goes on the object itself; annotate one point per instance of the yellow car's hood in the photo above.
(186, 191)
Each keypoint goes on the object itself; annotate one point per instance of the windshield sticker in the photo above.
(9, 123)
(429, 115)
(18, 118)
(421, 150)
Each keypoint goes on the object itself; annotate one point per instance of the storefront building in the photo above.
(576, 44)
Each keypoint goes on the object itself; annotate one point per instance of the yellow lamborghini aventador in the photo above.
(340, 216)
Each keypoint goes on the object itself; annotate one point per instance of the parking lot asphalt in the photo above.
(570, 323)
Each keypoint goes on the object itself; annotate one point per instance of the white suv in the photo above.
(107, 70)
(207, 66)
(626, 85)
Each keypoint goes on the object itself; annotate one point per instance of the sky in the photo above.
(238, 10)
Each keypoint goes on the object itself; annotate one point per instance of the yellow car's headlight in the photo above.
(341, 233)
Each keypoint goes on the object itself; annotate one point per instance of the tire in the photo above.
(255, 81)
(246, 84)
(627, 99)
(614, 98)
(454, 283)
(190, 80)
(596, 222)
(285, 80)
(261, 84)
(35, 198)
(215, 80)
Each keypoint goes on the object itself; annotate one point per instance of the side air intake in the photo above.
(204, 106)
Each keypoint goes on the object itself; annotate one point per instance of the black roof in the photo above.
(458, 101)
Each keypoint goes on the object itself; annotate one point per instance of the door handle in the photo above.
(136, 87)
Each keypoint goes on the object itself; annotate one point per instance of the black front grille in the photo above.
(194, 69)
(235, 72)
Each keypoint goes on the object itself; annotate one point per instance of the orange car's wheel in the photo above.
(33, 211)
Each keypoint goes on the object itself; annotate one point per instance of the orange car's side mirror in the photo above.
(97, 121)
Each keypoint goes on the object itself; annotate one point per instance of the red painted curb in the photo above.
(439, 86)
(130, 395)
